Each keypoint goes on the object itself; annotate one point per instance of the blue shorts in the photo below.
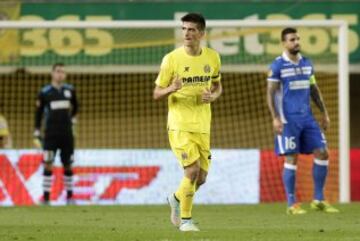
(300, 137)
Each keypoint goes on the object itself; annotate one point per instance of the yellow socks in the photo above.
(185, 194)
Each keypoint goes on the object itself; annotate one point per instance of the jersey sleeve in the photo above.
(74, 103)
(40, 105)
(166, 73)
(216, 75)
(274, 72)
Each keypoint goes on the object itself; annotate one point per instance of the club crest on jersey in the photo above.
(207, 68)
(67, 93)
(186, 69)
(298, 71)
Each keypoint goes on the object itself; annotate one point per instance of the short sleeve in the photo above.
(216, 74)
(312, 73)
(165, 74)
(274, 72)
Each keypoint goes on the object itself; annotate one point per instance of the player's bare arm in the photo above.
(160, 93)
(210, 95)
(271, 90)
(319, 102)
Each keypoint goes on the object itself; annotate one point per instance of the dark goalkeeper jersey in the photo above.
(58, 106)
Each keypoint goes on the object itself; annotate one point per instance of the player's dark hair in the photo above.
(195, 18)
(57, 65)
(287, 31)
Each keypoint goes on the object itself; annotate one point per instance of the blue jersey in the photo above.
(292, 100)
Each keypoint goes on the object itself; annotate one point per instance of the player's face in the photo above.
(58, 74)
(191, 34)
(292, 43)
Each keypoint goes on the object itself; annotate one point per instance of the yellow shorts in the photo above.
(190, 147)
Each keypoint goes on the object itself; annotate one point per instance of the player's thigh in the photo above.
(67, 150)
(289, 140)
(312, 138)
(203, 141)
(184, 147)
(51, 144)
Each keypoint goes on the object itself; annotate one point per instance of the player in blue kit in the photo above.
(291, 85)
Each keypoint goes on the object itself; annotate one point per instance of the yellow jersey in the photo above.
(4, 129)
(186, 111)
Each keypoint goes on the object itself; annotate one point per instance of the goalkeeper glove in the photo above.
(37, 140)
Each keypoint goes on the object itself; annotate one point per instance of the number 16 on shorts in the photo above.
(285, 145)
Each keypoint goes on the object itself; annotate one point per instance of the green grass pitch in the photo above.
(264, 222)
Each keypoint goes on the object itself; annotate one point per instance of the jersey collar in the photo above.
(192, 56)
(286, 58)
(60, 87)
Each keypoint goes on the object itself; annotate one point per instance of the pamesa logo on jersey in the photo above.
(196, 79)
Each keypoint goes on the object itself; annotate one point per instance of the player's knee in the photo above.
(68, 171)
(202, 178)
(49, 157)
(201, 181)
(321, 154)
(291, 159)
(47, 172)
(48, 166)
(192, 172)
(325, 156)
(67, 159)
(193, 175)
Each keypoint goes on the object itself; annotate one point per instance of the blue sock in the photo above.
(289, 176)
(320, 170)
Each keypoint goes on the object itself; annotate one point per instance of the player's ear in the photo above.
(284, 40)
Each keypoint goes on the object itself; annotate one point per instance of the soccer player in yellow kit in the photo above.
(190, 77)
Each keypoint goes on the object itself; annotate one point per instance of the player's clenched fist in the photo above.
(176, 83)
(206, 96)
(277, 125)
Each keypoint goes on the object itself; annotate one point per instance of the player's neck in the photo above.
(294, 58)
(193, 50)
(57, 85)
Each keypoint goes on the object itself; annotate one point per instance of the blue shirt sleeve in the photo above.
(312, 68)
(274, 72)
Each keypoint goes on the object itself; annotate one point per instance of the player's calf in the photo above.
(68, 182)
(47, 182)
